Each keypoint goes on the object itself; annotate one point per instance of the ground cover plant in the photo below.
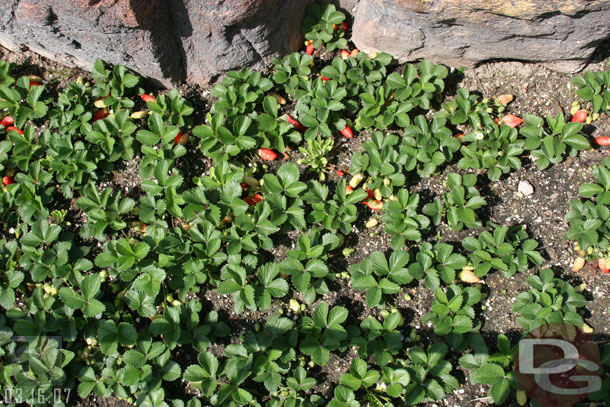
(104, 288)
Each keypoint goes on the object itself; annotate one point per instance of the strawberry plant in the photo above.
(381, 162)
(588, 218)
(435, 264)
(379, 276)
(337, 213)
(291, 71)
(593, 87)
(506, 250)
(323, 332)
(549, 300)
(430, 374)
(221, 143)
(318, 27)
(320, 108)
(23, 101)
(452, 313)
(427, 145)
(402, 219)
(114, 88)
(548, 144)
(498, 151)
(493, 369)
(381, 341)
(466, 108)
(239, 93)
(459, 204)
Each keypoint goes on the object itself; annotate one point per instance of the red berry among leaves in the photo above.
(374, 204)
(603, 141)
(511, 120)
(295, 122)
(309, 49)
(100, 115)
(580, 116)
(345, 54)
(13, 128)
(34, 84)
(344, 25)
(250, 200)
(340, 173)
(347, 132)
(324, 78)
(147, 98)
(6, 181)
(267, 154)
(181, 138)
(257, 197)
(335, 27)
(7, 121)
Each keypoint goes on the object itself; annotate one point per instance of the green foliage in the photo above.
(550, 300)
(588, 219)
(402, 220)
(459, 204)
(380, 276)
(452, 313)
(506, 250)
(315, 155)
(551, 139)
(593, 87)
(318, 26)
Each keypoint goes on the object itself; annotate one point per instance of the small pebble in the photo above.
(525, 188)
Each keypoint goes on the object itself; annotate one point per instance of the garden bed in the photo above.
(183, 242)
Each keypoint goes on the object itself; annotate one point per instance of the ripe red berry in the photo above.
(250, 200)
(344, 25)
(267, 154)
(511, 120)
(257, 197)
(6, 181)
(340, 173)
(345, 54)
(7, 121)
(603, 141)
(13, 128)
(147, 98)
(309, 49)
(580, 116)
(347, 132)
(324, 78)
(100, 114)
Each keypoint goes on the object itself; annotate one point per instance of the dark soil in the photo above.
(537, 90)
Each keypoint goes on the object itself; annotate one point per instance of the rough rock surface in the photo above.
(136, 33)
(197, 41)
(562, 32)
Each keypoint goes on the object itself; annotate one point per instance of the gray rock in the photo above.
(563, 33)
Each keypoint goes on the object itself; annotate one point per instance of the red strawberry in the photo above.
(250, 200)
(580, 116)
(309, 49)
(34, 84)
(6, 181)
(244, 186)
(257, 197)
(340, 173)
(335, 27)
(348, 189)
(344, 25)
(603, 141)
(370, 193)
(7, 121)
(147, 98)
(13, 128)
(267, 154)
(374, 205)
(345, 54)
(347, 132)
(511, 120)
(295, 123)
(100, 115)
(324, 78)
(181, 138)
